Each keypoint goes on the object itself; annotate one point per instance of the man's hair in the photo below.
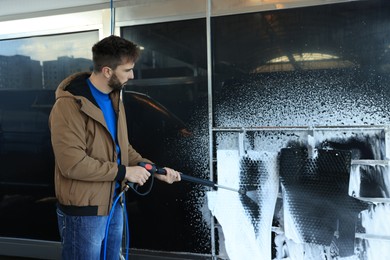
(113, 51)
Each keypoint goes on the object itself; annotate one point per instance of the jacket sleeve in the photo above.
(68, 136)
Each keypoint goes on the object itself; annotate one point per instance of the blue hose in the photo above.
(127, 229)
(108, 225)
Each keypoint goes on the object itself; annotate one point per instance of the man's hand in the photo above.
(170, 177)
(137, 174)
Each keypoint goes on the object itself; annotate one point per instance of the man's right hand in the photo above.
(137, 174)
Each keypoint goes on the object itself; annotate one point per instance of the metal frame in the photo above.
(58, 24)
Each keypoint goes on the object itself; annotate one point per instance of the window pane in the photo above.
(30, 70)
(42, 62)
(324, 65)
(168, 124)
(311, 88)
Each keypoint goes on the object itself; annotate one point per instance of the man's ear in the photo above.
(107, 72)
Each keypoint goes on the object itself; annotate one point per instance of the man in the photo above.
(93, 157)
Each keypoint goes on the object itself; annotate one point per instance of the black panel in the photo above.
(316, 194)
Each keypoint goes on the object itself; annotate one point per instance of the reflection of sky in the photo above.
(50, 47)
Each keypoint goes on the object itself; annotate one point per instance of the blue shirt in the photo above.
(105, 105)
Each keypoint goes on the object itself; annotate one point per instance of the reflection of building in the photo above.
(56, 70)
(19, 71)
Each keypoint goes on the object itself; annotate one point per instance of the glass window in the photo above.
(166, 107)
(323, 65)
(43, 62)
(30, 70)
(310, 86)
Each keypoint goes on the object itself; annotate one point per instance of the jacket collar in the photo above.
(76, 86)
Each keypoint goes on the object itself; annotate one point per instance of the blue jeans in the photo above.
(82, 237)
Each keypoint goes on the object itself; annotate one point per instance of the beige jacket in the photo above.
(86, 166)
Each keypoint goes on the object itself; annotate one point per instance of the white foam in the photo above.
(377, 230)
(240, 238)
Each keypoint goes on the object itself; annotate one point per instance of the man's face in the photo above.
(121, 75)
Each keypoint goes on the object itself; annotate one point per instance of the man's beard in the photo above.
(115, 84)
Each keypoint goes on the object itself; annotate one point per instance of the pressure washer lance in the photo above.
(153, 169)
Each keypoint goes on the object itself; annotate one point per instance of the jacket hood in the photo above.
(75, 86)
